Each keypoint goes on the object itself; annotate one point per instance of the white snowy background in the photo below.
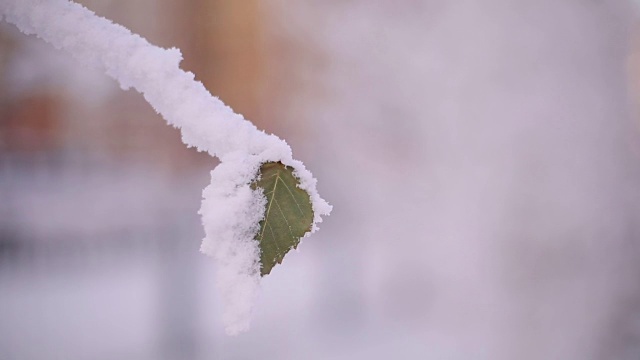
(481, 157)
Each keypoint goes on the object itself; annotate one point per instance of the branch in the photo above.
(231, 209)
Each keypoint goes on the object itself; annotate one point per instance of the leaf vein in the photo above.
(285, 220)
(266, 215)
(293, 197)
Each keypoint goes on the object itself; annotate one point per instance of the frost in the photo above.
(230, 210)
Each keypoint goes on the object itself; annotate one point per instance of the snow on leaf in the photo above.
(288, 214)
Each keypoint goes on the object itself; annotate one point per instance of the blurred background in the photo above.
(481, 156)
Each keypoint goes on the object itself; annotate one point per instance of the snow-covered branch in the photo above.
(230, 210)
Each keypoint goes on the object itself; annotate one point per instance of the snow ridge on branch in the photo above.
(230, 209)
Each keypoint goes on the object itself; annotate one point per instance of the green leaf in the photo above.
(288, 214)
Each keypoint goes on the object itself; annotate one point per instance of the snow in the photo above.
(230, 209)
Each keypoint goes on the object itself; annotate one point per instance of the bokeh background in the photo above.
(481, 156)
